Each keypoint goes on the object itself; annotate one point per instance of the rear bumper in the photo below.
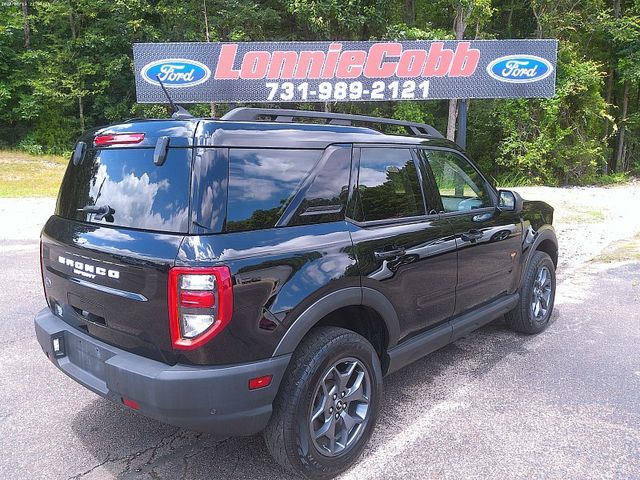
(204, 398)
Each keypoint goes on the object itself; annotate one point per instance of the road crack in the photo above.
(128, 459)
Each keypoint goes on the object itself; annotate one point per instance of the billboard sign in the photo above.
(344, 71)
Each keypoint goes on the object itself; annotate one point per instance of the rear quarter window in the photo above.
(262, 182)
(325, 197)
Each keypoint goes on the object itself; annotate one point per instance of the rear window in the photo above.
(261, 184)
(141, 194)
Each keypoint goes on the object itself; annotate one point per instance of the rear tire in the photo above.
(537, 295)
(332, 386)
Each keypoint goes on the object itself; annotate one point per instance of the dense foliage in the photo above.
(66, 65)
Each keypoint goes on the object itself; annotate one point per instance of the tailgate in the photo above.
(111, 282)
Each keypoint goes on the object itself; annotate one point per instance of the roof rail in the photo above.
(244, 114)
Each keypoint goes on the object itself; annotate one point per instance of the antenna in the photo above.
(178, 111)
(173, 105)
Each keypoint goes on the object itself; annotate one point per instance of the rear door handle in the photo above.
(471, 235)
(386, 254)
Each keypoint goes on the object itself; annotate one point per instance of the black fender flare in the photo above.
(346, 297)
(545, 233)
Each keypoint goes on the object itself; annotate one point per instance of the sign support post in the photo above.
(461, 137)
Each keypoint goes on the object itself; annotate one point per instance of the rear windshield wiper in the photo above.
(100, 212)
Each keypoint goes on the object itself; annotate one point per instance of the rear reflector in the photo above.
(130, 403)
(118, 139)
(260, 382)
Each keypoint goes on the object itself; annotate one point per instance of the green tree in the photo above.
(66, 66)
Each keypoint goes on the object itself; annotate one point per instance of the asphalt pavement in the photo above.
(563, 405)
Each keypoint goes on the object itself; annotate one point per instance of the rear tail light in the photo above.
(118, 139)
(200, 304)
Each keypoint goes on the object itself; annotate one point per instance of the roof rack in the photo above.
(245, 114)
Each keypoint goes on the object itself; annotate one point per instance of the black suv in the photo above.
(265, 270)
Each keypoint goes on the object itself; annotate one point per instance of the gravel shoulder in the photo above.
(587, 219)
(23, 218)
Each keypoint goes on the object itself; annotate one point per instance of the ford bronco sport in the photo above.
(264, 271)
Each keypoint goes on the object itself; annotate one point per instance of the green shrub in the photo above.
(29, 145)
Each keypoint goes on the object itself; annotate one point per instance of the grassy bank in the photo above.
(24, 175)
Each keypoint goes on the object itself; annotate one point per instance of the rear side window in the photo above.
(141, 194)
(262, 183)
(388, 185)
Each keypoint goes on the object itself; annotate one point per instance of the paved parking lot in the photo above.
(564, 404)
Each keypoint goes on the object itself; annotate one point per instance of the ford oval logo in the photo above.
(175, 72)
(519, 68)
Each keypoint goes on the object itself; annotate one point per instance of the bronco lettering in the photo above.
(88, 270)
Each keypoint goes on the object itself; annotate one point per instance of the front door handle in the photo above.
(386, 254)
(471, 235)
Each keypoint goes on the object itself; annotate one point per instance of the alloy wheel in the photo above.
(541, 294)
(341, 407)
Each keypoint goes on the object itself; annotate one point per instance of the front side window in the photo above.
(262, 183)
(460, 186)
(388, 185)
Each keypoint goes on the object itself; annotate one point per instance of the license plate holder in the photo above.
(87, 356)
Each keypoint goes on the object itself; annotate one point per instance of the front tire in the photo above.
(327, 405)
(537, 296)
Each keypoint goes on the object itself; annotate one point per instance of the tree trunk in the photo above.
(609, 95)
(74, 36)
(608, 99)
(451, 119)
(617, 8)
(625, 159)
(510, 19)
(459, 26)
(212, 105)
(25, 25)
(72, 24)
(618, 160)
(538, 15)
(409, 12)
(609, 91)
(81, 113)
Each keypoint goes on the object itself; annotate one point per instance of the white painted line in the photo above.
(375, 463)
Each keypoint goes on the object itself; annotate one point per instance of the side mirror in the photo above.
(509, 201)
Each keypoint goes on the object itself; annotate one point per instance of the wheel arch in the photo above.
(549, 247)
(545, 241)
(363, 310)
